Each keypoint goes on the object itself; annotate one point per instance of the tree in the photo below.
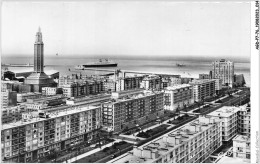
(185, 107)
(178, 111)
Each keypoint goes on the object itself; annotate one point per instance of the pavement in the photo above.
(90, 152)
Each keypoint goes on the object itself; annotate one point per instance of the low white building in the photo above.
(48, 91)
(244, 118)
(178, 96)
(241, 147)
(229, 121)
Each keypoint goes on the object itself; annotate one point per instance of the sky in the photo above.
(124, 28)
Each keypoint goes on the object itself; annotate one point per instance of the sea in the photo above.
(66, 66)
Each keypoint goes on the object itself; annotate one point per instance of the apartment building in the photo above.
(204, 76)
(175, 81)
(229, 121)
(109, 85)
(190, 143)
(151, 82)
(74, 89)
(123, 113)
(126, 83)
(8, 98)
(74, 86)
(242, 147)
(178, 96)
(28, 140)
(203, 88)
(95, 86)
(7, 85)
(224, 70)
(11, 114)
(244, 118)
(218, 85)
(49, 91)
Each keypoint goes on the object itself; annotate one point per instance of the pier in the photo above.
(127, 71)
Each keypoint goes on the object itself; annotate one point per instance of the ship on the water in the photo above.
(100, 63)
(179, 65)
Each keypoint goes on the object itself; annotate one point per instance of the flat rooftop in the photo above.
(151, 77)
(167, 142)
(29, 94)
(178, 86)
(69, 111)
(242, 138)
(225, 111)
(201, 81)
(132, 97)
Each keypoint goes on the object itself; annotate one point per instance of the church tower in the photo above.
(38, 53)
(38, 78)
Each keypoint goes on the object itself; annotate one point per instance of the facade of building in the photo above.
(204, 76)
(17, 86)
(190, 143)
(151, 82)
(35, 106)
(242, 147)
(38, 78)
(75, 86)
(203, 88)
(22, 97)
(166, 82)
(218, 85)
(12, 114)
(123, 113)
(229, 121)
(49, 91)
(74, 89)
(224, 70)
(175, 81)
(126, 83)
(178, 96)
(31, 139)
(8, 98)
(109, 85)
(244, 118)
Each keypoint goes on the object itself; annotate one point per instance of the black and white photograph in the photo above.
(112, 81)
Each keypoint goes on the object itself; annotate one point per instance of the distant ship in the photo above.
(179, 65)
(100, 63)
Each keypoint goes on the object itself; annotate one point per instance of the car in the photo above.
(112, 156)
